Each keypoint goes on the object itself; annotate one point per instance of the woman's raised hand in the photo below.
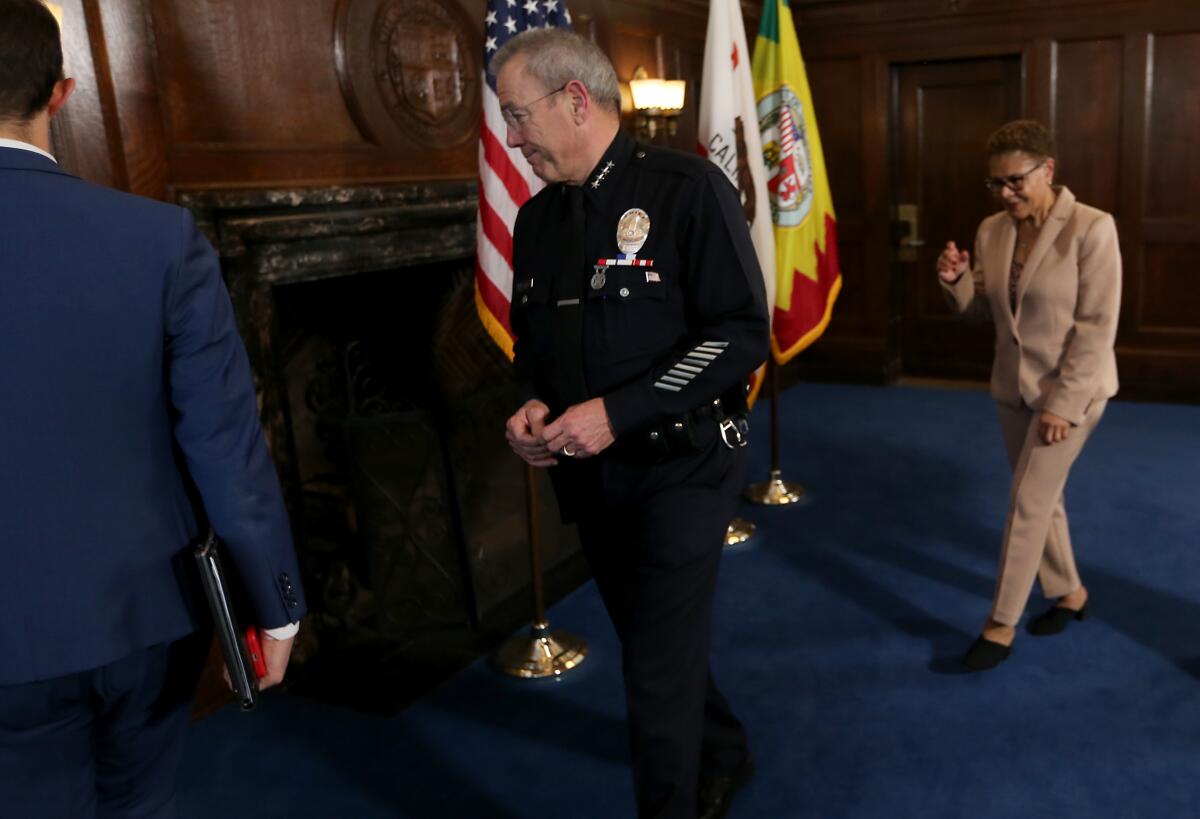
(952, 263)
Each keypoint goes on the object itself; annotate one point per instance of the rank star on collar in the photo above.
(603, 173)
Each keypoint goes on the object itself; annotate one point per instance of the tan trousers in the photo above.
(1036, 540)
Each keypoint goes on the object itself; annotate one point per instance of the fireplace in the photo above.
(383, 402)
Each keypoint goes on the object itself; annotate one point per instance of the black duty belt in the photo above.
(685, 435)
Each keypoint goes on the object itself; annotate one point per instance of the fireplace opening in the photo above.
(384, 403)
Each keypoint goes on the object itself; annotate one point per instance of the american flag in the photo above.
(505, 178)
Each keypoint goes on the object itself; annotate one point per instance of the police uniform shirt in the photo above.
(666, 328)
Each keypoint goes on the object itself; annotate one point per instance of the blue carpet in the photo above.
(838, 633)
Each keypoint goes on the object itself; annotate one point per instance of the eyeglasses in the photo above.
(1015, 183)
(517, 117)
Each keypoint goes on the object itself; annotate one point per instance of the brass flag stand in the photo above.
(739, 531)
(540, 653)
(775, 491)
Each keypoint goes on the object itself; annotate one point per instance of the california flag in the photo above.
(729, 133)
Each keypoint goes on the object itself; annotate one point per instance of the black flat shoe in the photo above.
(717, 789)
(984, 654)
(1055, 620)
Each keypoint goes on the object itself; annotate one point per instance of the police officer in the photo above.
(639, 309)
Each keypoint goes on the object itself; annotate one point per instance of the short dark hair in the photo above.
(31, 58)
(1026, 135)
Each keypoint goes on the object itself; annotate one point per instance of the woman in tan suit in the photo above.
(1047, 272)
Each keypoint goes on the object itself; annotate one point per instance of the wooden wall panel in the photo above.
(634, 46)
(197, 94)
(80, 137)
(842, 140)
(1161, 328)
(266, 66)
(1170, 290)
(837, 83)
(1173, 185)
(252, 95)
(1087, 117)
(685, 60)
(219, 94)
(122, 29)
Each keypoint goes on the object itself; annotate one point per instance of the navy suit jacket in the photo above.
(118, 355)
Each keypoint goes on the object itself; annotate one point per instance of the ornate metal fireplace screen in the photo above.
(382, 399)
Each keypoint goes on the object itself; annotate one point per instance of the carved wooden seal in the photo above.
(409, 70)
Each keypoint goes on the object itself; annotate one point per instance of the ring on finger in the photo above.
(566, 450)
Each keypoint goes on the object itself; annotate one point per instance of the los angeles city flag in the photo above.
(729, 134)
(808, 277)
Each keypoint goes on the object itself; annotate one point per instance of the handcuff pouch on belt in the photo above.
(686, 435)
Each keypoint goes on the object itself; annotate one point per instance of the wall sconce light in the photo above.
(656, 103)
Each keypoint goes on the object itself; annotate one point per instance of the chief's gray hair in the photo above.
(556, 56)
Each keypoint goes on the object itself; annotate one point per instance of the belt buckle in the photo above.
(727, 426)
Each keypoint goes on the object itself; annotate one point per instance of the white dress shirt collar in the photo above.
(25, 146)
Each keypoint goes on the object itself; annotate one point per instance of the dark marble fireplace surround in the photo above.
(383, 403)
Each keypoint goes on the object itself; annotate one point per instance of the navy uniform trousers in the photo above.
(654, 536)
(102, 743)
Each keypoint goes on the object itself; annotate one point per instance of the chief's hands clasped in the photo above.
(524, 432)
(952, 263)
(582, 431)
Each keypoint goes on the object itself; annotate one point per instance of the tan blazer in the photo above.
(1056, 353)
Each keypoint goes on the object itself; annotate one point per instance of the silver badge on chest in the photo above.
(632, 229)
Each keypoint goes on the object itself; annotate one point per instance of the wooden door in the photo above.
(942, 115)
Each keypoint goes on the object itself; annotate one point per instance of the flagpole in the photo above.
(775, 491)
(739, 529)
(540, 653)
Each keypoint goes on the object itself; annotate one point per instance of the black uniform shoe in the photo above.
(717, 790)
(985, 654)
(1055, 620)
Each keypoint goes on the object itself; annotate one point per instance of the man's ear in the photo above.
(581, 100)
(59, 96)
(1050, 168)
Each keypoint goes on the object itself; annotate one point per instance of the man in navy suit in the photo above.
(122, 379)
